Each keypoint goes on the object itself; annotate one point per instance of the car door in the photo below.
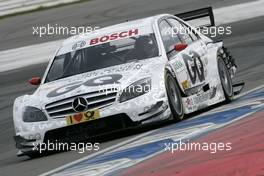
(175, 63)
(190, 64)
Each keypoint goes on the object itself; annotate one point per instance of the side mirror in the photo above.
(180, 47)
(35, 81)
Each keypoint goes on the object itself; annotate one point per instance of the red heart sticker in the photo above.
(77, 117)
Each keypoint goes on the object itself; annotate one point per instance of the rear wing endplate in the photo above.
(198, 14)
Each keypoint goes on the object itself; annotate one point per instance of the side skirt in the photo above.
(204, 99)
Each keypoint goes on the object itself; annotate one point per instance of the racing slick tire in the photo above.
(226, 80)
(174, 97)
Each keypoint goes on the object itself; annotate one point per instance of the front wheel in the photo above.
(174, 97)
(226, 80)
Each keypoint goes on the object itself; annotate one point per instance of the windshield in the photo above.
(101, 56)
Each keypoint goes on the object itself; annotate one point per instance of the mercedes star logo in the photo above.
(79, 104)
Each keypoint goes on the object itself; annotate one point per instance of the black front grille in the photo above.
(96, 100)
(86, 130)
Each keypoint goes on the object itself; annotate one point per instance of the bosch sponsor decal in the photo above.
(114, 36)
(104, 38)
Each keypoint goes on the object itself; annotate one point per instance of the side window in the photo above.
(191, 33)
(185, 33)
(58, 63)
(168, 37)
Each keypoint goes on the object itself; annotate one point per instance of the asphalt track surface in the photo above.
(246, 44)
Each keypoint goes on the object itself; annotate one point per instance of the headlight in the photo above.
(32, 114)
(136, 89)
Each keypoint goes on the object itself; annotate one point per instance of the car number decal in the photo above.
(194, 67)
(101, 80)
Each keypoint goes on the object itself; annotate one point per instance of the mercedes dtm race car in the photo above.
(123, 75)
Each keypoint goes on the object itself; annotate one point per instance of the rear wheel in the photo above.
(226, 80)
(174, 97)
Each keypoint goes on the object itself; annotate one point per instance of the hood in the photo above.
(119, 76)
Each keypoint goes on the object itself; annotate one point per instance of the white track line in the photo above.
(141, 136)
(41, 53)
(99, 152)
(28, 55)
(239, 12)
(16, 6)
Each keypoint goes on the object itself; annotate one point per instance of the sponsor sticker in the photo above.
(83, 117)
(205, 96)
(178, 66)
(189, 104)
(185, 84)
(114, 36)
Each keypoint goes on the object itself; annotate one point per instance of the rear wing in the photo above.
(198, 16)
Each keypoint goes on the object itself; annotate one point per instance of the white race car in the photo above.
(123, 75)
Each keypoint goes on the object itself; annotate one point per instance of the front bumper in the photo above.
(116, 117)
(25, 146)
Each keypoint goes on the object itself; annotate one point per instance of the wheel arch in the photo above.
(169, 70)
